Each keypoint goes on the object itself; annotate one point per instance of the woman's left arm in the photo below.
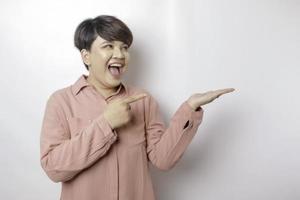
(165, 146)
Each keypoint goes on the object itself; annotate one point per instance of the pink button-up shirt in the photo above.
(94, 162)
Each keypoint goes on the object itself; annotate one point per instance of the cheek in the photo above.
(127, 58)
(99, 62)
(127, 54)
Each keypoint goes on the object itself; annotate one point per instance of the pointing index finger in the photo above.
(134, 98)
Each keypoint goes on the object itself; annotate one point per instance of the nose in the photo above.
(118, 53)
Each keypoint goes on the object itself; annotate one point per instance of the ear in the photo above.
(85, 55)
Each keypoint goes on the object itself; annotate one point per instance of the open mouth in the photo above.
(115, 69)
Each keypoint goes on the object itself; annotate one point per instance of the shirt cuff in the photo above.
(194, 117)
(195, 114)
(105, 126)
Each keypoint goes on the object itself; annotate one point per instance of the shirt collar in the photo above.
(82, 83)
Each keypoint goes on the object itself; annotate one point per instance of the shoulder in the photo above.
(61, 95)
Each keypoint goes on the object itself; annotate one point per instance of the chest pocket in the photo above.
(77, 124)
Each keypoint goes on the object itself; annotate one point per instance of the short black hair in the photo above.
(108, 27)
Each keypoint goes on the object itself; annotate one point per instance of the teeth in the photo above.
(115, 65)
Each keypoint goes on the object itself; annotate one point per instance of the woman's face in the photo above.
(107, 61)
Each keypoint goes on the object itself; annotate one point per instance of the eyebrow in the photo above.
(108, 42)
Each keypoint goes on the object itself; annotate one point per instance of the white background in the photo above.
(248, 144)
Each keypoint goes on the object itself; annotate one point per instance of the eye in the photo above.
(109, 46)
(125, 47)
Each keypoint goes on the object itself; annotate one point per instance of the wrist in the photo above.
(109, 122)
(192, 105)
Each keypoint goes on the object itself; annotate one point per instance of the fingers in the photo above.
(223, 91)
(220, 92)
(213, 94)
(134, 98)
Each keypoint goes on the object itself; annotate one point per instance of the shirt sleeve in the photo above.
(166, 145)
(63, 157)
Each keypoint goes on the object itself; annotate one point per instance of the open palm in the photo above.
(199, 99)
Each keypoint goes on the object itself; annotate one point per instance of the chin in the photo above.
(115, 83)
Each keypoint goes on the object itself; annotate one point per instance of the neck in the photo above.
(102, 89)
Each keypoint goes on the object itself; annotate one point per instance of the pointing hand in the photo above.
(117, 112)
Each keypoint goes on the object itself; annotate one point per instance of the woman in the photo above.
(99, 133)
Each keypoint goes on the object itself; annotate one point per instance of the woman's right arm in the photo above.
(62, 157)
